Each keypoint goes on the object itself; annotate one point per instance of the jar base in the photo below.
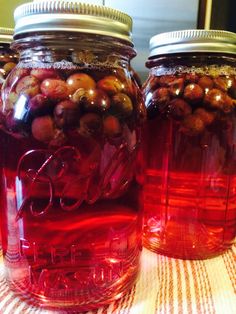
(83, 303)
(185, 241)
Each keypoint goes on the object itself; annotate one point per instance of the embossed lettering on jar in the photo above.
(72, 120)
(189, 198)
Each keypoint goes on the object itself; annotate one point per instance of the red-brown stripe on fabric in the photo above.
(4, 290)
(197, 286)
(209, 303)
(16, 305)
(169, 289)
(3, 297)
(168, 284)
(202, 285)
(121, 303)
(179, 285)
(131, 298)
(160, 297)
(105, 309)
(188, 288)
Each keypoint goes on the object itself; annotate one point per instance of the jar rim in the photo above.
(6, 35)
(72, 16)
(193, 40)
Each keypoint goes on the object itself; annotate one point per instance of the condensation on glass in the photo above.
(72, 116)
(190, 95)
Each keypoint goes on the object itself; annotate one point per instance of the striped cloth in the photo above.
(165, 286)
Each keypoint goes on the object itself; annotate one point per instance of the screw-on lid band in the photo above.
(193, 41)
(72, 16)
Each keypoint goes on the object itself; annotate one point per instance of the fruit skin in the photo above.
(223, 83)
(42, 74)
(80, 80)
(8, 67)
(28, 85)
(207, 116)
(66, 114)
(93, 100)
(206, 83)
(43, 129)
(39, 105)
(90, 124)
(165, 80)
(192, 125)
(191, 77)
(176, 87)
(217, 99)
(111, 126)
(55, 89)
(179, 108)
(193, 93)
(110, 84)
(161, 98)
(122, 105)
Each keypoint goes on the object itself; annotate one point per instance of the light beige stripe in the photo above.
(221, 288)
(233, 249)
(230, 264)
(159, 293)
(147, 285)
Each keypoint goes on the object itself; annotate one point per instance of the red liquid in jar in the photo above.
(189, 197)
(71, 222)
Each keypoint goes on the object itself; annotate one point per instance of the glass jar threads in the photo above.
(190, 209)
(72, 130)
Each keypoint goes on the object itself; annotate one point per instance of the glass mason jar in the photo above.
(72, 131)
(190, 95)
(8, 60)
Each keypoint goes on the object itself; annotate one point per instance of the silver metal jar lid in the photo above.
(193, 41)
(71, 16)
(6, 35)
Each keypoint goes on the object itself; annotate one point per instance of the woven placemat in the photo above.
(165, 286)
